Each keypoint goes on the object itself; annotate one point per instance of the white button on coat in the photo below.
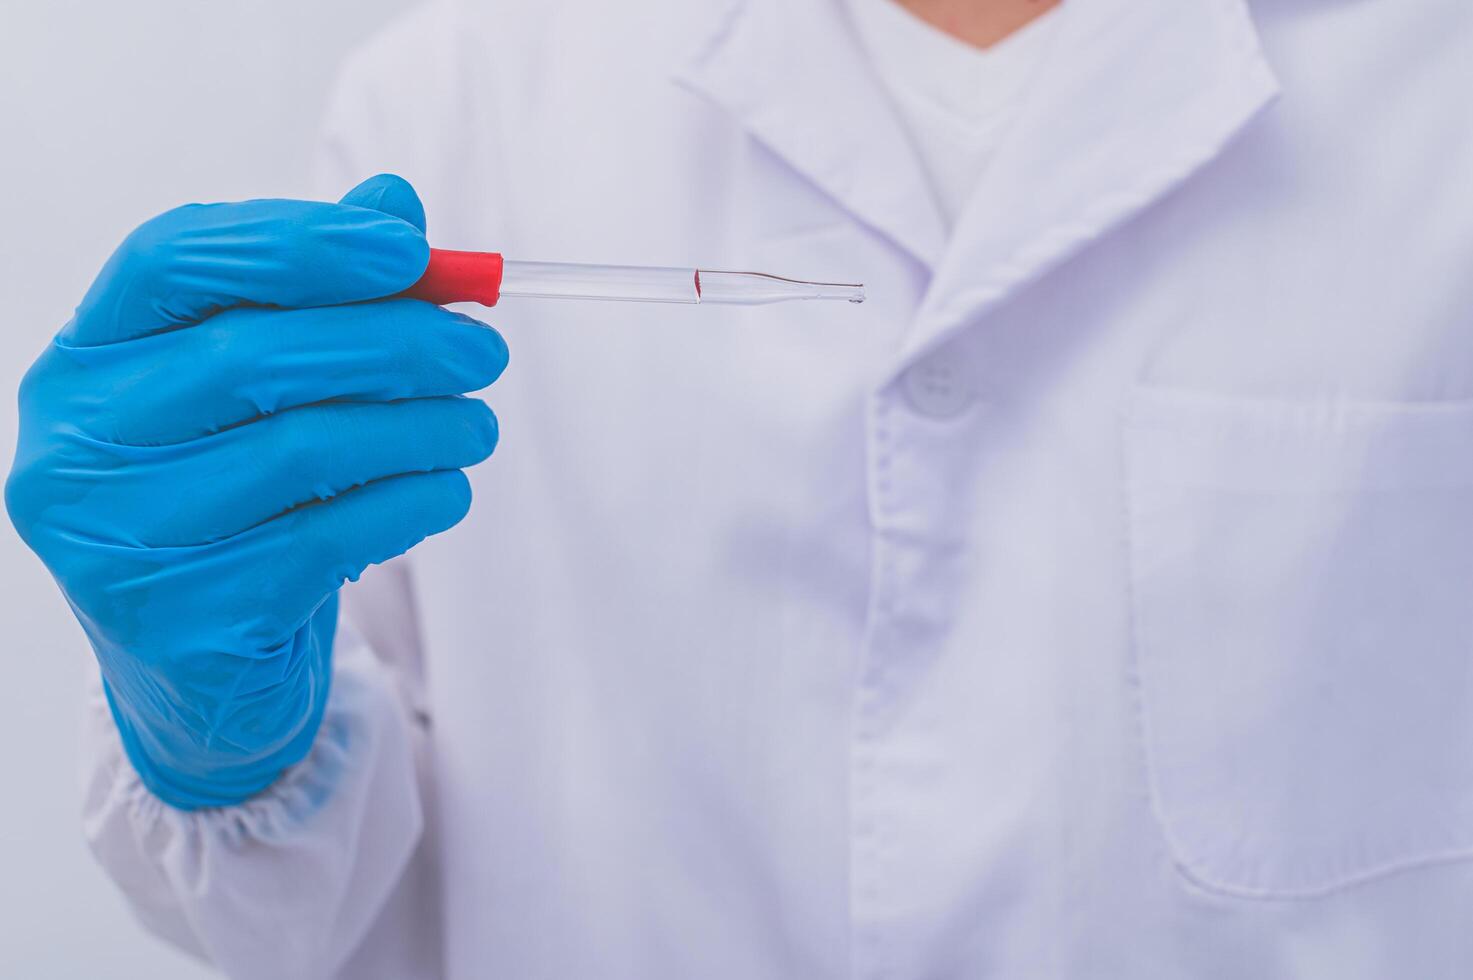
(743, 667)
(935, 387)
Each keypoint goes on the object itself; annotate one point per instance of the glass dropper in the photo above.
(485, 277)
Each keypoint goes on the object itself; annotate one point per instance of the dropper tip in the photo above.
(748, 288)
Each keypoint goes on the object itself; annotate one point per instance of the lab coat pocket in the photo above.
(1302, 578)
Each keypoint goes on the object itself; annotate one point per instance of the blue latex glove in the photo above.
(223, 434)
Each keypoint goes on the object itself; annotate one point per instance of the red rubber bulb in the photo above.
(459, 277)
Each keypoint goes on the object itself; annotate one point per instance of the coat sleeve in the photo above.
(286, 884)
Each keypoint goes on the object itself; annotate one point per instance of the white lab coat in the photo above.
(1095, 601)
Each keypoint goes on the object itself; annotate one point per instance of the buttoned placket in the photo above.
(920, 427)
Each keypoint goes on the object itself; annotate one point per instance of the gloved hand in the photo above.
(224, 432)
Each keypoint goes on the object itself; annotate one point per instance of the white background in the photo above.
(110, 112)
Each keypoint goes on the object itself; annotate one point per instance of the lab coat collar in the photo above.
(793, 73)
(1135, 97)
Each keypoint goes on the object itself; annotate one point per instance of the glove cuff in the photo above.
(188, 773)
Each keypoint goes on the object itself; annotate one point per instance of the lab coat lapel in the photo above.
(792, 73)
(1134, 97)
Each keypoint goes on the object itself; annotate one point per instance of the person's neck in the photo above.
(980, 23)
